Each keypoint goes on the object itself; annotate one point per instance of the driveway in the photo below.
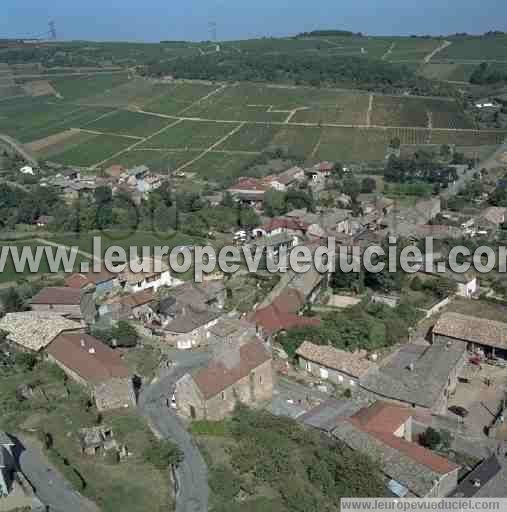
(192, 475)
(49, 485)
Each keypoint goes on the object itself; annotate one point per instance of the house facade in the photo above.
(152, 274)
(96, 367)
(77, 304)
(235, 374)
(337, 366)
(384, 432)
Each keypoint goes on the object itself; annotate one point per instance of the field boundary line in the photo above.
(389, 51)
(430, 55)
(370, 110)
(211, 148)
(131, 147)
(79, 251)
(96, 132)
(204, 98)
(102, 116)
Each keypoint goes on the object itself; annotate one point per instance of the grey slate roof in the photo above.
(418, 478)
(424, 384)
(326, 415)
(192, 319)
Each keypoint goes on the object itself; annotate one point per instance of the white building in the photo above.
(146, 274)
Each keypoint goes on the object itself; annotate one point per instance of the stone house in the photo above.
(7, 464)
(338, 366)
(192, 328)
(95, 366)
(231, 330)
(73, 303)
(420, 376)
(133, 306)
(236, 373)
(384, 432)
(208, 294)
(481, 335)
(103, 281)
(152, 274)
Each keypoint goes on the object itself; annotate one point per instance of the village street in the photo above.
(192, 479)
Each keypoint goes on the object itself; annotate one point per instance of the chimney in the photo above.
(477, 483)
(91, 351)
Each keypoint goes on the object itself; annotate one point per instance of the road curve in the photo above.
(192, 474)
(49, 485)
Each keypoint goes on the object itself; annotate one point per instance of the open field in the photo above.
(58, 143)
(29, 119)
(174, 98)
(346, 144)
(412, 49)
(125, 122)
(92, 150)
(74, 88)
(475, 48)
(190, 134)
(251, 137)
(454, 72)
(9, 271)
(221, 167)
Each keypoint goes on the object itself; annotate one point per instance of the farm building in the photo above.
(95, 366)
(477, 334)
(338, 366)
(411, 470)
(236, 373)
(77, 304)
(418, 375)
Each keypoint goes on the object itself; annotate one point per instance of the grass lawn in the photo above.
(9, 273)
(61, 411)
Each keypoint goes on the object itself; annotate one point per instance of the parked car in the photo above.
(459, 411)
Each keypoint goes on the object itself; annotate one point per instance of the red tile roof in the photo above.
(87, 356)
(272, 320)
(217, 377)
(283, 223)
(249, 184)
(382, 419)
(58, 295)
(79, 280)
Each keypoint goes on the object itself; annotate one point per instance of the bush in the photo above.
(224, 482)
(430, 438)
(163, 454)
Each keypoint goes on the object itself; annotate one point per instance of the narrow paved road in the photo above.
(50, 486)
(192, 474)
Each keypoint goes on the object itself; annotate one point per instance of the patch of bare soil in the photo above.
(52, 140)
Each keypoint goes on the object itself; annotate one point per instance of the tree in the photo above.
(444, 287)
(125, 334)
(351, 187)
(368, 185)
(163, 454)
(274, 203)
(12, 301)
(430, 438)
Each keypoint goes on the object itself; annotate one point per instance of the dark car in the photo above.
(458, 410)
